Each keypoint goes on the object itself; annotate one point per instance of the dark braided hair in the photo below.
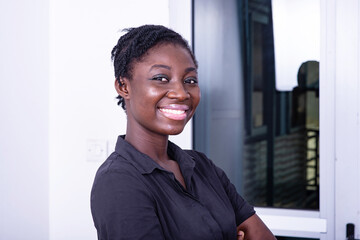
(132, 46)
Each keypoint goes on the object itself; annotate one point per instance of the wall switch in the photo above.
(96, 150)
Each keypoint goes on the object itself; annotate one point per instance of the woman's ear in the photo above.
(122, 87)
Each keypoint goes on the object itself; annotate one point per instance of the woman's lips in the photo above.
(174, 112)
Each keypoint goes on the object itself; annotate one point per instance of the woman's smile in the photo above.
(175, 111)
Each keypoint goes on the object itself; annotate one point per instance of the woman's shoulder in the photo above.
(205, 165)
(201, 160)
(115, 164)
(196, 155)
(118, 170)
(118, 179)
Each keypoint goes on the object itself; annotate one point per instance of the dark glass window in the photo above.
(266, 140)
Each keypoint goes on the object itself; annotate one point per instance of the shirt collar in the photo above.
(147, 165)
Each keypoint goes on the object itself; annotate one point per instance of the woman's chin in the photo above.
(174, 130)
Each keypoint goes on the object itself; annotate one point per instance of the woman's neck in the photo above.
(153, 145)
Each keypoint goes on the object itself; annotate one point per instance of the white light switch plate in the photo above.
(96, 150)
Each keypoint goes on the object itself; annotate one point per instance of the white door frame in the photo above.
(347, 116)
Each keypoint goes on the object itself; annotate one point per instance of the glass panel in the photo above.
(257, 106)
(281, 152)
(267, 141)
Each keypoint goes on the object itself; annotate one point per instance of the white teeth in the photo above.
(172, 111)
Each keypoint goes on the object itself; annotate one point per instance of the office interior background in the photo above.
(273, 73)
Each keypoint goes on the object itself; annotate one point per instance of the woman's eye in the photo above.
(160, 78)
(191, 81)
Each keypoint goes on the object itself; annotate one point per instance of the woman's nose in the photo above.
(178, 91)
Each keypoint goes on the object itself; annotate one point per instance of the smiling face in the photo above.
(163, 93)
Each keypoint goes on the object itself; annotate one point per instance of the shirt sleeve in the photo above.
(243, 210)
(123, 208)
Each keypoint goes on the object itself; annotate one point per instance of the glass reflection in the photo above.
(281, 147)
(266, 140)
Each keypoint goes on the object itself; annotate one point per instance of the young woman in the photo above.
(149, 188)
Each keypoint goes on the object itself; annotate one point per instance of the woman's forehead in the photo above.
(166, 52)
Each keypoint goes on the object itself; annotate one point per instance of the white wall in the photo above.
(24, 121)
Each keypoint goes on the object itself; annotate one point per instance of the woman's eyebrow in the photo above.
(191, 69)
(159, 66)
(187, 70)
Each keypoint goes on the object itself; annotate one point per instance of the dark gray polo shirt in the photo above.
(135, 198)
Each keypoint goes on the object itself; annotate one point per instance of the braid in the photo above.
(132, 46)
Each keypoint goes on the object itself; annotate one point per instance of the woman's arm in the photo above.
(255, 229)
